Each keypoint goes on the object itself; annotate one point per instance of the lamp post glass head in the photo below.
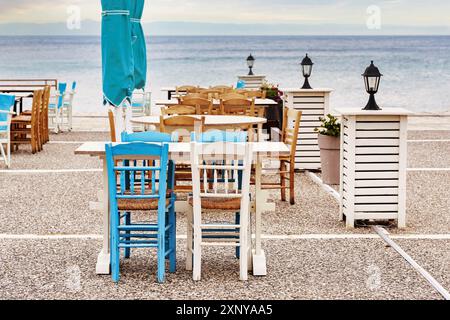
(372, 77)
(307, 65)
(250, 63)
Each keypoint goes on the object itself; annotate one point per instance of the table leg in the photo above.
(259, 257)
(103, 260)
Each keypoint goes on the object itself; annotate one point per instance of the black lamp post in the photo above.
(307, 65)
(250, 63)
(372, 77)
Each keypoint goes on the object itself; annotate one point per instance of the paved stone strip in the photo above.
(264, 236)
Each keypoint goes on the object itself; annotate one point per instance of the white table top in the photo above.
(269, 149)
(210, 121)
(258, 102)
(383, 112)
(306, 90)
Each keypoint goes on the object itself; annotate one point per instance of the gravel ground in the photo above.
(429, 155)
(80, 136)
(54, 156)
(49, 203)
(434, 256)
(332, 269)
(428, 134)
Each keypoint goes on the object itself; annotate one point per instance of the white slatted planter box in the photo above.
(253, 82)
(373, 165)
(314, 104)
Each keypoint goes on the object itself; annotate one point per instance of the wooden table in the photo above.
(24, 93)
(181, 152)
(219, 122)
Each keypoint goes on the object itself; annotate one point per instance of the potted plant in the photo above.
(274, 113)
(330, 145)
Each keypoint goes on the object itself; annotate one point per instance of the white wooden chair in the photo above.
(141, 106)
(65, 116)
(221, 183)
(54, 112)
(5, 128)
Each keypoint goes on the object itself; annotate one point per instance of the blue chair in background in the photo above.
(67, 107)
(141, 106)
(6, 106)
(142, 186)
(54, 107)
(240, 84)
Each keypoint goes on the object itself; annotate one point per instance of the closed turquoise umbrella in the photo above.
(138, 44)
(117, 52)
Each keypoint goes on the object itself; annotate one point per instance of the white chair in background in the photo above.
(141, 106)
(55, 106)
(67, 107)
(221, 183)
(6, 105)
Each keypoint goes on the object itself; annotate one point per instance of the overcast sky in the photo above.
(393, 12)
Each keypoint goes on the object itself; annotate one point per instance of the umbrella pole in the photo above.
(128, 117)
(119, 122)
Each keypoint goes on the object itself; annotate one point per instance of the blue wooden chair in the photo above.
(129, 165)
(54, 107)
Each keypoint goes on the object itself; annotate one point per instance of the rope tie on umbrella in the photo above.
(116, 13)
(135, 20)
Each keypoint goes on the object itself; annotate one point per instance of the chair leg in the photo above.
(250, 242)
(8, 151)
(243, 242)
(283, 180)
(173, 240)
(197, 245)
(161, 255)
(115, 254)
(292, 183)
(189, 240)
(237, 221)
(127, 222)
(2, 151)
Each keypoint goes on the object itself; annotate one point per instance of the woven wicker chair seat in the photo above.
(219, 203)
(139, 204)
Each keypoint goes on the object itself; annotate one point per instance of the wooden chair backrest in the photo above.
(291, 128)
(179, 110)
(202, 106)
(44, 115)
(238, 106)
(232, 95)
(36, 111)
(222, 88)
(184, 125)
(221, 170)
(211, 93)
(260, 94)
(112, 126)
(186, 90)
(197, 95)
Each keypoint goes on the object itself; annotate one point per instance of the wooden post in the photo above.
(374, 160)
(314, 104)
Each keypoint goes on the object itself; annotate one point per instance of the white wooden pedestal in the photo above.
(314, 104)
(253, 82)
(373, 165)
